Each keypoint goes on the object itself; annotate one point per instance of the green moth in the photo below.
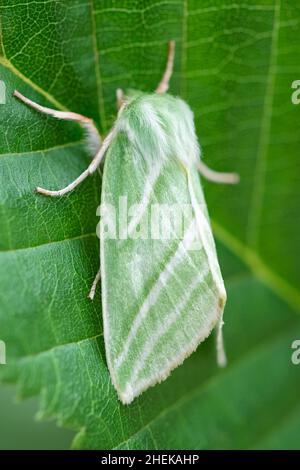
(161, 294)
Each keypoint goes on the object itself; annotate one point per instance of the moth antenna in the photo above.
(221, 355)
(216, 176)
(164, 83)
(94, 138)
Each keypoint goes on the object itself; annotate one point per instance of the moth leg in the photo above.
(164, 83)
(90, 169)
(94, 285)
(87, 123)
(120, 98)
(216, 176)
(221, 355)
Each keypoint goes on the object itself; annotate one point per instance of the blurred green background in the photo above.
(19, 429)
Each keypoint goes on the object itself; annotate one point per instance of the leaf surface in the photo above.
(235, 63)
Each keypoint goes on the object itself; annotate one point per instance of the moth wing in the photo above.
(161, 297)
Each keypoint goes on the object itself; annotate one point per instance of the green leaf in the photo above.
(235, 63)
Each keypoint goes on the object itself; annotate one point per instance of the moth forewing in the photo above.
(161, 297)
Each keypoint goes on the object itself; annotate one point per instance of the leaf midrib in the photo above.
(256, 200)
(101, 102)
